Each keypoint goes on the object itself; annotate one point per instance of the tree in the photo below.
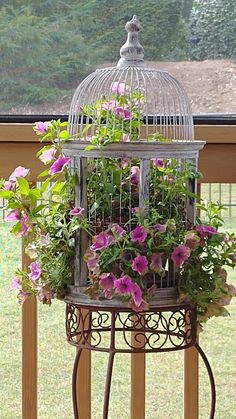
(213, 27)
(48, 47)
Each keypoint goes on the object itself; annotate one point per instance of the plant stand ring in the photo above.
(119, 330)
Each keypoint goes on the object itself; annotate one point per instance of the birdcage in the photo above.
(132, 140)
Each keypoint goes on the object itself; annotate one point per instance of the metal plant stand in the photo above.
(119, 330)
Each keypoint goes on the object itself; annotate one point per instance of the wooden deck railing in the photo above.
(18, 146)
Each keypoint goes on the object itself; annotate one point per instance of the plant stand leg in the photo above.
(211, 378)
(74, 383)
(108, 384)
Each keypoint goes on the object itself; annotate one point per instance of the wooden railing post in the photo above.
(191, 368)
(29, 354)
(138, 370)
(83, 382)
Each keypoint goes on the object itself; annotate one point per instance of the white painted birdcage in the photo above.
(129, 116)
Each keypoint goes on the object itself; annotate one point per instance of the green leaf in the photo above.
(90, 147)
(64, 134)
(58, 187)
(44, 173)
(6, 194)
(16, 228)
(35, 194)
(23, 186)
(45, 185)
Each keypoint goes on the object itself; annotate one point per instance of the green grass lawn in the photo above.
(164, 394)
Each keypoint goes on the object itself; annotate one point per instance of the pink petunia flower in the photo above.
(22, 296)
(180, 255)
(108, 294)
(48, 155)
(45, 294)
(156, 262)
(18, 172)
(77, 211)
(59, 165)
(192, 240)
(134, 175)
(123, 113)
(14, 215)
(161, 228)
(117, 230)
(159, 163)
(125, 138)
(92, 260)
(124, 163)
(136, 295)
(140, 308)
(124, 285)
(15, 283)
(7, 186)
(140, 264)
(205, 230)
(107, 281)
(35, 271)
(118, 88)
(25, 226)
(101, 241)
(139, 234)
(41, 127)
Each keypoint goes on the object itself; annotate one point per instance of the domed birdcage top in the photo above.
(148, 104)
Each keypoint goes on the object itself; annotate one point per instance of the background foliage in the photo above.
(213, 26)
(48, 47)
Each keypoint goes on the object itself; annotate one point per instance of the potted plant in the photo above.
(123, 255)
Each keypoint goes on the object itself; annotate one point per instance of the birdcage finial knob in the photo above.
(132, 52)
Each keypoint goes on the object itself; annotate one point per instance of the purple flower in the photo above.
(125, 138)
(35, 271)
(25, 226)
(48, 155)
(101, 241)
(136, 295)
(41, 127)
(118, 88)
(139, 234)
(136, 308)
(123, 113)
(192, 240)
(180, 255)
(22, 296)
(128, 255)
(224, 300)
(13, 215)
(59, 165)
(45, 294)
(158, 163)
(15, 283)
(134, 175)
(108, 294)
(8, 185)
(117, 230)
(205, 230)
(161, 228)
(156, 262)
(124, 163)
(107, 281)
(18, 172)
(92, 260)
(77, 211)
(124, 285)
(140, 264)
